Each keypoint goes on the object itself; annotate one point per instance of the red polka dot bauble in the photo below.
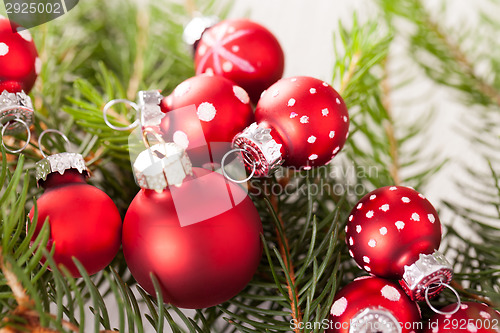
(199, 237)
(371, 304)
(221, 109)
(242, 51)
(84, 222)
(19, 62)
(301, 122)
(471, 317)
(394, 232)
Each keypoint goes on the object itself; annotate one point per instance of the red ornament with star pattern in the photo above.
(242, 51)
(389, 228)
(307, 117)
(19, 60)
(371, 302)
(471, 317)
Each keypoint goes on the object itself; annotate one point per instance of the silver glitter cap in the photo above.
(428, 272)
(149, 104)
(260, 146)
(374, 319)
(196, 27)
(60, 163)
(162, 165)
(15, 106)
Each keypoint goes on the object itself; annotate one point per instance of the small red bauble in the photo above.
(393, 228)
(200, 239)
(19, 60)
(371, 304)
(242, 51)
(84, 221)
(302, 121)
(471, 317)
(222, 108)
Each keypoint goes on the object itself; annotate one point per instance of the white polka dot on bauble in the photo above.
(369, 214)
(415, 217)
(393, 188)
(291, 102)
(350, 218)
(391, 293)
(331, 134)
(235, 48)
(372, 243)
(311, 139)
(384, 207)
(241, 94)
(351, 241)
(312, 91)
(227, 66)
(372, 197)
(275, 93)
(209, 71)
(181, 139)
(338, 307)
(293, 115)
(325, 84)
(358, 228)
(304, 119)
(25, 34)
(366, 259)
(206, 111)
(471, 328)
(431, 218)
(337, 100)
(485, 314)
(367, 268)
(383, 231)
(359, 205)
(312, 157)
(405, 199)
(4, 49)
(400, 225)
(336, 150)
(325, 112)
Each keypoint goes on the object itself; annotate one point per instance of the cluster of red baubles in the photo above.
(200, 257)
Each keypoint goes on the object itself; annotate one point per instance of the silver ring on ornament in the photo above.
(49, 131)
(155, 134)
(459, 302)
(222, 166)
(118, 101)
(4, 128)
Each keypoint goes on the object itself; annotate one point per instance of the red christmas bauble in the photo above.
(222, 108)
(84, 222)
(389, 228)
(471, 317)
(201, 240)
(242, 51)
(19, 60)
(307, 122)
(371, 304)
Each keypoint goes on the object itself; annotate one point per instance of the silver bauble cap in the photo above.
(15, 106)
(260, 146)
(196, 27)
(374, 319)
(60, 163)
(162, 165)
(149, 104)
(428, 272)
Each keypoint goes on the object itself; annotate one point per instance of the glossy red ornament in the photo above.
(391, 229)
(19, 62)
(242, 51)
(471, 317)
(222, 108)
(371, 304)
(84, 221)
(201, 240)
(301, 120)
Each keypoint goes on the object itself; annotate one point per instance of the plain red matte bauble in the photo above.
(389, 228)
(84, 222)
(19, 60)
(471, 317)
(244, 52)
(222, 108)
(201, 264)
(365, 304)
(308, 117)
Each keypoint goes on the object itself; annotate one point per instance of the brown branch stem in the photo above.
(141, 43)
(350, 72)
(284, 249)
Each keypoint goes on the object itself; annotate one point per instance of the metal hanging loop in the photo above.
(459, 302)
(49, 131)
(222, 165)
(113, 102)
(4, 128)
